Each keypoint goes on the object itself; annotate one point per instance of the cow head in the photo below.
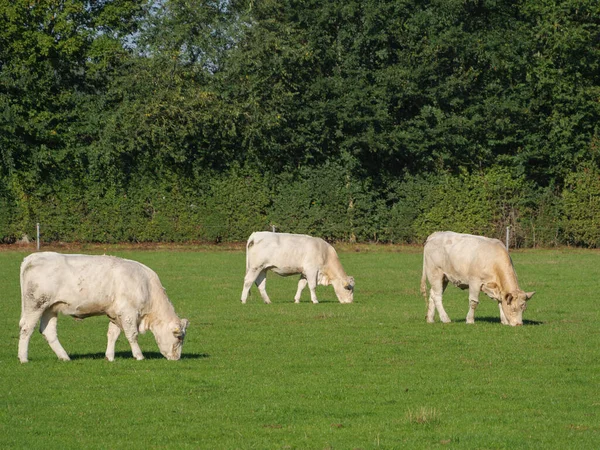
(169, 336)
(513, 304)
(344, 289)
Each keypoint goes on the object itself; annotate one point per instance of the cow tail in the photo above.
(424, 282)
(24, 265)
(249, 245)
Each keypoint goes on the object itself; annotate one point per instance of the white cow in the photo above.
(474, 262)
(126, 291)
(290, 254)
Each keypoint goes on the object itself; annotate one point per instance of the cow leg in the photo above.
(311, 279)
(48, 325)
(250, 277)
(503, 318)
(113, 334)
(430, 308)
(473, 302)
(301, 285)
(261, 283)
(26, 326)
(130, 329)
(438, 286)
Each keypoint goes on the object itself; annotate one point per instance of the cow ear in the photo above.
(491, 289)
(323, 279)
(508, 298)
(528, 295)
(349, 284)
(185, 324)
(179, 331)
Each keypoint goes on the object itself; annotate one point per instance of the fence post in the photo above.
(273, 226)
(37, 238)
(507, 237)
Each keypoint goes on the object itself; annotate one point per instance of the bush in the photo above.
(233, 206)
(403, 204)
(456, 203)
(327, 202)
(581, 203)
(540, 218)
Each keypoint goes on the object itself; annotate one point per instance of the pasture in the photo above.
(367, 375)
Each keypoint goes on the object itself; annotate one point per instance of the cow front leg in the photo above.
(301, 285)
(48, 328)
(113, 334)
(261, 283)
(130, 329)
(26, 327)
(473, 303)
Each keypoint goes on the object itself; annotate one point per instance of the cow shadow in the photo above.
(490, 319)
(128, 355)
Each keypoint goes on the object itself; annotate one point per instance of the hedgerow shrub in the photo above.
(581, 206)
(7, 212)
(403, 202)
(233, 206)
(457, 203)
(328, 202)
(540, 218)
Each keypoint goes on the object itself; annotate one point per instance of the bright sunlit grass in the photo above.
(371, 374)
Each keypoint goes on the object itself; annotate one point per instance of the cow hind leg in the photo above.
(301, 285)
(48, 328)
(311, 280)
(26, 327)
(430, 309)
(261, 283)
(438, 286)
(113, 334)
(250, 277)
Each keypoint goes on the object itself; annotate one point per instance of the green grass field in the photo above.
(372, 374)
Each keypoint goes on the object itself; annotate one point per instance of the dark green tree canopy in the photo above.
(124, 99)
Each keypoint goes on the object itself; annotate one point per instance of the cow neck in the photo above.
(508, 277)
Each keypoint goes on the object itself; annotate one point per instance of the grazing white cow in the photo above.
(126, 291)
(476, 263)
(290, 254)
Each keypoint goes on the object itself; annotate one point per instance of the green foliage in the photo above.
(540, 223)
(459, 204)
(581, 203)
(235, 205)
(317, 203)
(402, 206)
(367, 120)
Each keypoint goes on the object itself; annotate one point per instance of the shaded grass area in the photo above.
(371, 374)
